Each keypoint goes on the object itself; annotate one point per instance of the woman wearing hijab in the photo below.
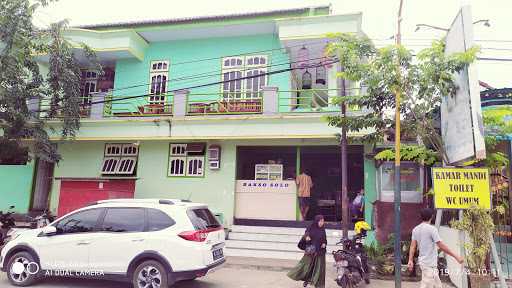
(311, 268)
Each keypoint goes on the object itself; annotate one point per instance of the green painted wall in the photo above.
(16, 187)
(370, 188)
(216, 188)
(131, 72)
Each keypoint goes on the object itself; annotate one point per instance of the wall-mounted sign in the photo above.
(251, 186)
(461, 188)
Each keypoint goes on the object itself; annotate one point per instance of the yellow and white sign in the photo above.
(461, 188)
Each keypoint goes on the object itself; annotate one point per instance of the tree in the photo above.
(21, 81)
(422, 81)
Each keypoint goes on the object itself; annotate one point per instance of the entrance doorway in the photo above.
(324, 166)
(266, 188)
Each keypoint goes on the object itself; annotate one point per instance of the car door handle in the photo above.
(137, 240)
(83, 243)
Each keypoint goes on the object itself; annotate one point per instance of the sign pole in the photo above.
(462, 238)
(397, 192)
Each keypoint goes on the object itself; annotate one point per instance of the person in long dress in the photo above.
(311, 268)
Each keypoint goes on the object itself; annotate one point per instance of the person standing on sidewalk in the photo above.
(426, 237)
(311, 268)
(304, 185)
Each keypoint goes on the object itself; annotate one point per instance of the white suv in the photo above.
(148, 242)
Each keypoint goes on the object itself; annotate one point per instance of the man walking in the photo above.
(426, 237)
(304, 185)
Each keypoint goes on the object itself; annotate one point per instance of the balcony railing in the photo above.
(310, 101)
(216, 103)
(269, 101)
(45, 107)
(118, 106)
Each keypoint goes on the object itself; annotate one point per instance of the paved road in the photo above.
(223, 278)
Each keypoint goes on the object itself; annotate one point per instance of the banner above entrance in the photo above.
(461, 188)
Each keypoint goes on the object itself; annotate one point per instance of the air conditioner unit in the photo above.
(214, 157)
(214, 165)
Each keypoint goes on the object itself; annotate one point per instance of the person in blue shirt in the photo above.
(357, 205)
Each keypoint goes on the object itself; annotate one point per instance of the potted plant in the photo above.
(478, 224)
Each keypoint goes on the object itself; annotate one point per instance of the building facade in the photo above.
(225, 110)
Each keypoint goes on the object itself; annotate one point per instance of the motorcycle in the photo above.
(351, 261)
(9, 229)
(42, 220)
(7, 222)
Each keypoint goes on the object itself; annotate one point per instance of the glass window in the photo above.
(203, 218)
(120, 159)
(83, 221)
(410, 182)
(186, 160)
(158, 220)
(124, 220)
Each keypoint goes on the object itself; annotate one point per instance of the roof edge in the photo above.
(186, 20)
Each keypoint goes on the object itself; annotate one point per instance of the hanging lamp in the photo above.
(320, 75)
(306, 80)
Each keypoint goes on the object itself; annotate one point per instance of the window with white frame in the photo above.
(186, 160)
(90, 85)
(158, 78)
(120, 159)
(235, 68)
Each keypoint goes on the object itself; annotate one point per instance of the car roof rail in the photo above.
(132, 200)
(165, 201)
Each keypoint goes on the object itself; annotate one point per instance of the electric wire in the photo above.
(199, 86)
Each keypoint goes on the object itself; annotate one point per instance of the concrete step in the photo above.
(278, 230)
(269, 245)
(274, 237)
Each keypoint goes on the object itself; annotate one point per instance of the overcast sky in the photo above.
(379, 20)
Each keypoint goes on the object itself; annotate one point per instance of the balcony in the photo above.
(181, 103)
(118, 106)
(222, 104)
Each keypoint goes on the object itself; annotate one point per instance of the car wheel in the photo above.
(150, 274)
(22, 269)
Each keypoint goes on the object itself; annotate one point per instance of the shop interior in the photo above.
(322, 163)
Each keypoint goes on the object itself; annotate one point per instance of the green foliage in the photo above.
(21, 80)
(495, 160)
(497, 127)
(478, 223)
(386, 71)
(415, 153)
(381, 255)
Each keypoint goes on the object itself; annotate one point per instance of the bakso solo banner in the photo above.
(460, 188)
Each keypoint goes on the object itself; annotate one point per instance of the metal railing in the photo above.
(117, 106)
(310, 101)
(224, 103)
(45, 107)
(503, 233)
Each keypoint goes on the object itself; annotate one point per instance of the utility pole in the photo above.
(344, 172)
(398, 196)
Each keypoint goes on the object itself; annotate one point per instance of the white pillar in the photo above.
(270, 100)
(179, 108)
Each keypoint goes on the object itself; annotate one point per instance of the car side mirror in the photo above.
(49, 230)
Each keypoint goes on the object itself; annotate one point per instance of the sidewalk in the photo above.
(276, 267)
